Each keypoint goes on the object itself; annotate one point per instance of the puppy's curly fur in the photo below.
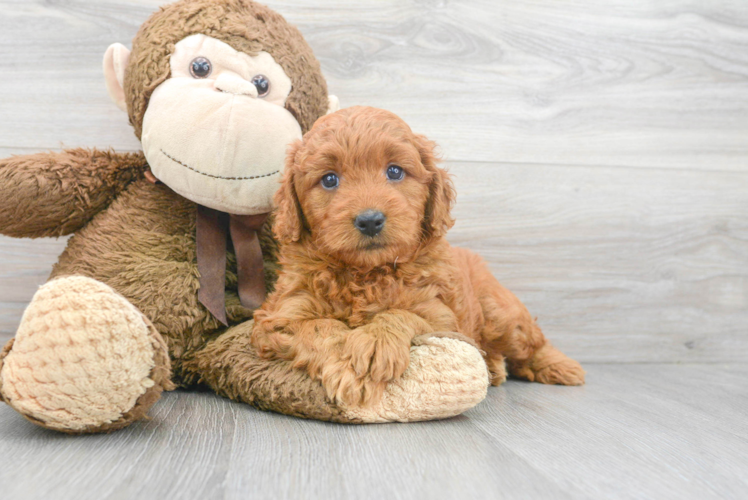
(347, 304)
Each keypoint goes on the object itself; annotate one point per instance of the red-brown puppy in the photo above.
(362, 215)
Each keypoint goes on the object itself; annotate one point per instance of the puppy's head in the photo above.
(364, 189)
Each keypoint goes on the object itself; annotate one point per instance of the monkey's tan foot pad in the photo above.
(446, 376)
(84, 359)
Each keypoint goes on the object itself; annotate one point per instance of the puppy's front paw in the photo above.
(271, 345)
(377, 355)
(344, 386)
(368, 361)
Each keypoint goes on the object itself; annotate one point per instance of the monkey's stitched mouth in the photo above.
(217, 176)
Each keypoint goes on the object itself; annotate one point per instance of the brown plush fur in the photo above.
(231, 366)
(54, 194)
(347, 306)
(143, 246)
(244, 25)
(139, 238)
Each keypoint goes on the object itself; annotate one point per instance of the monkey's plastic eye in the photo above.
(395, 173)
(330, 180)
(200, 67)
(262, 84)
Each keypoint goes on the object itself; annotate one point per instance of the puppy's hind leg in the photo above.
(548, 365)
(496, 367)
(529, 354)
(510, 332)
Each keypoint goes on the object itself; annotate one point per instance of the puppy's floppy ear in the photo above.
(437, 219)
(288, 216)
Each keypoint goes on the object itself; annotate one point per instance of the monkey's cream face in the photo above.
(216, 131)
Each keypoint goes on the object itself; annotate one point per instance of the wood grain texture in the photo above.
(605, 83)
(635, 431)
(618, 264)
(600, 150)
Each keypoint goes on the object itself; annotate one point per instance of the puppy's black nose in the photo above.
(370, 222)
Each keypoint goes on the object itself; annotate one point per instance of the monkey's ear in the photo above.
(115, 62)
(289, 218)
(334, 104)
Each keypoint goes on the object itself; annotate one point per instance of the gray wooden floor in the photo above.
(600, 151)
(635, 431)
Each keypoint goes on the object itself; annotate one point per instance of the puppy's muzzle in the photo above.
(370, 222)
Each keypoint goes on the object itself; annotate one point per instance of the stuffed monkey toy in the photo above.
(171, 248)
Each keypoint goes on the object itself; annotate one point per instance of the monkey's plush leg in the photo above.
(84, 359)
(53, 194)
(446, 376)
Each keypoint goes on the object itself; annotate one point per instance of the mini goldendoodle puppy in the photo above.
(362, 215)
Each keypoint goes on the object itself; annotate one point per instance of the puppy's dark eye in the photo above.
(330, 181)
(262, 84)
(395, 173)
(200, 67)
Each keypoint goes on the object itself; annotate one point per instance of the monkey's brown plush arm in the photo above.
(54, 194)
